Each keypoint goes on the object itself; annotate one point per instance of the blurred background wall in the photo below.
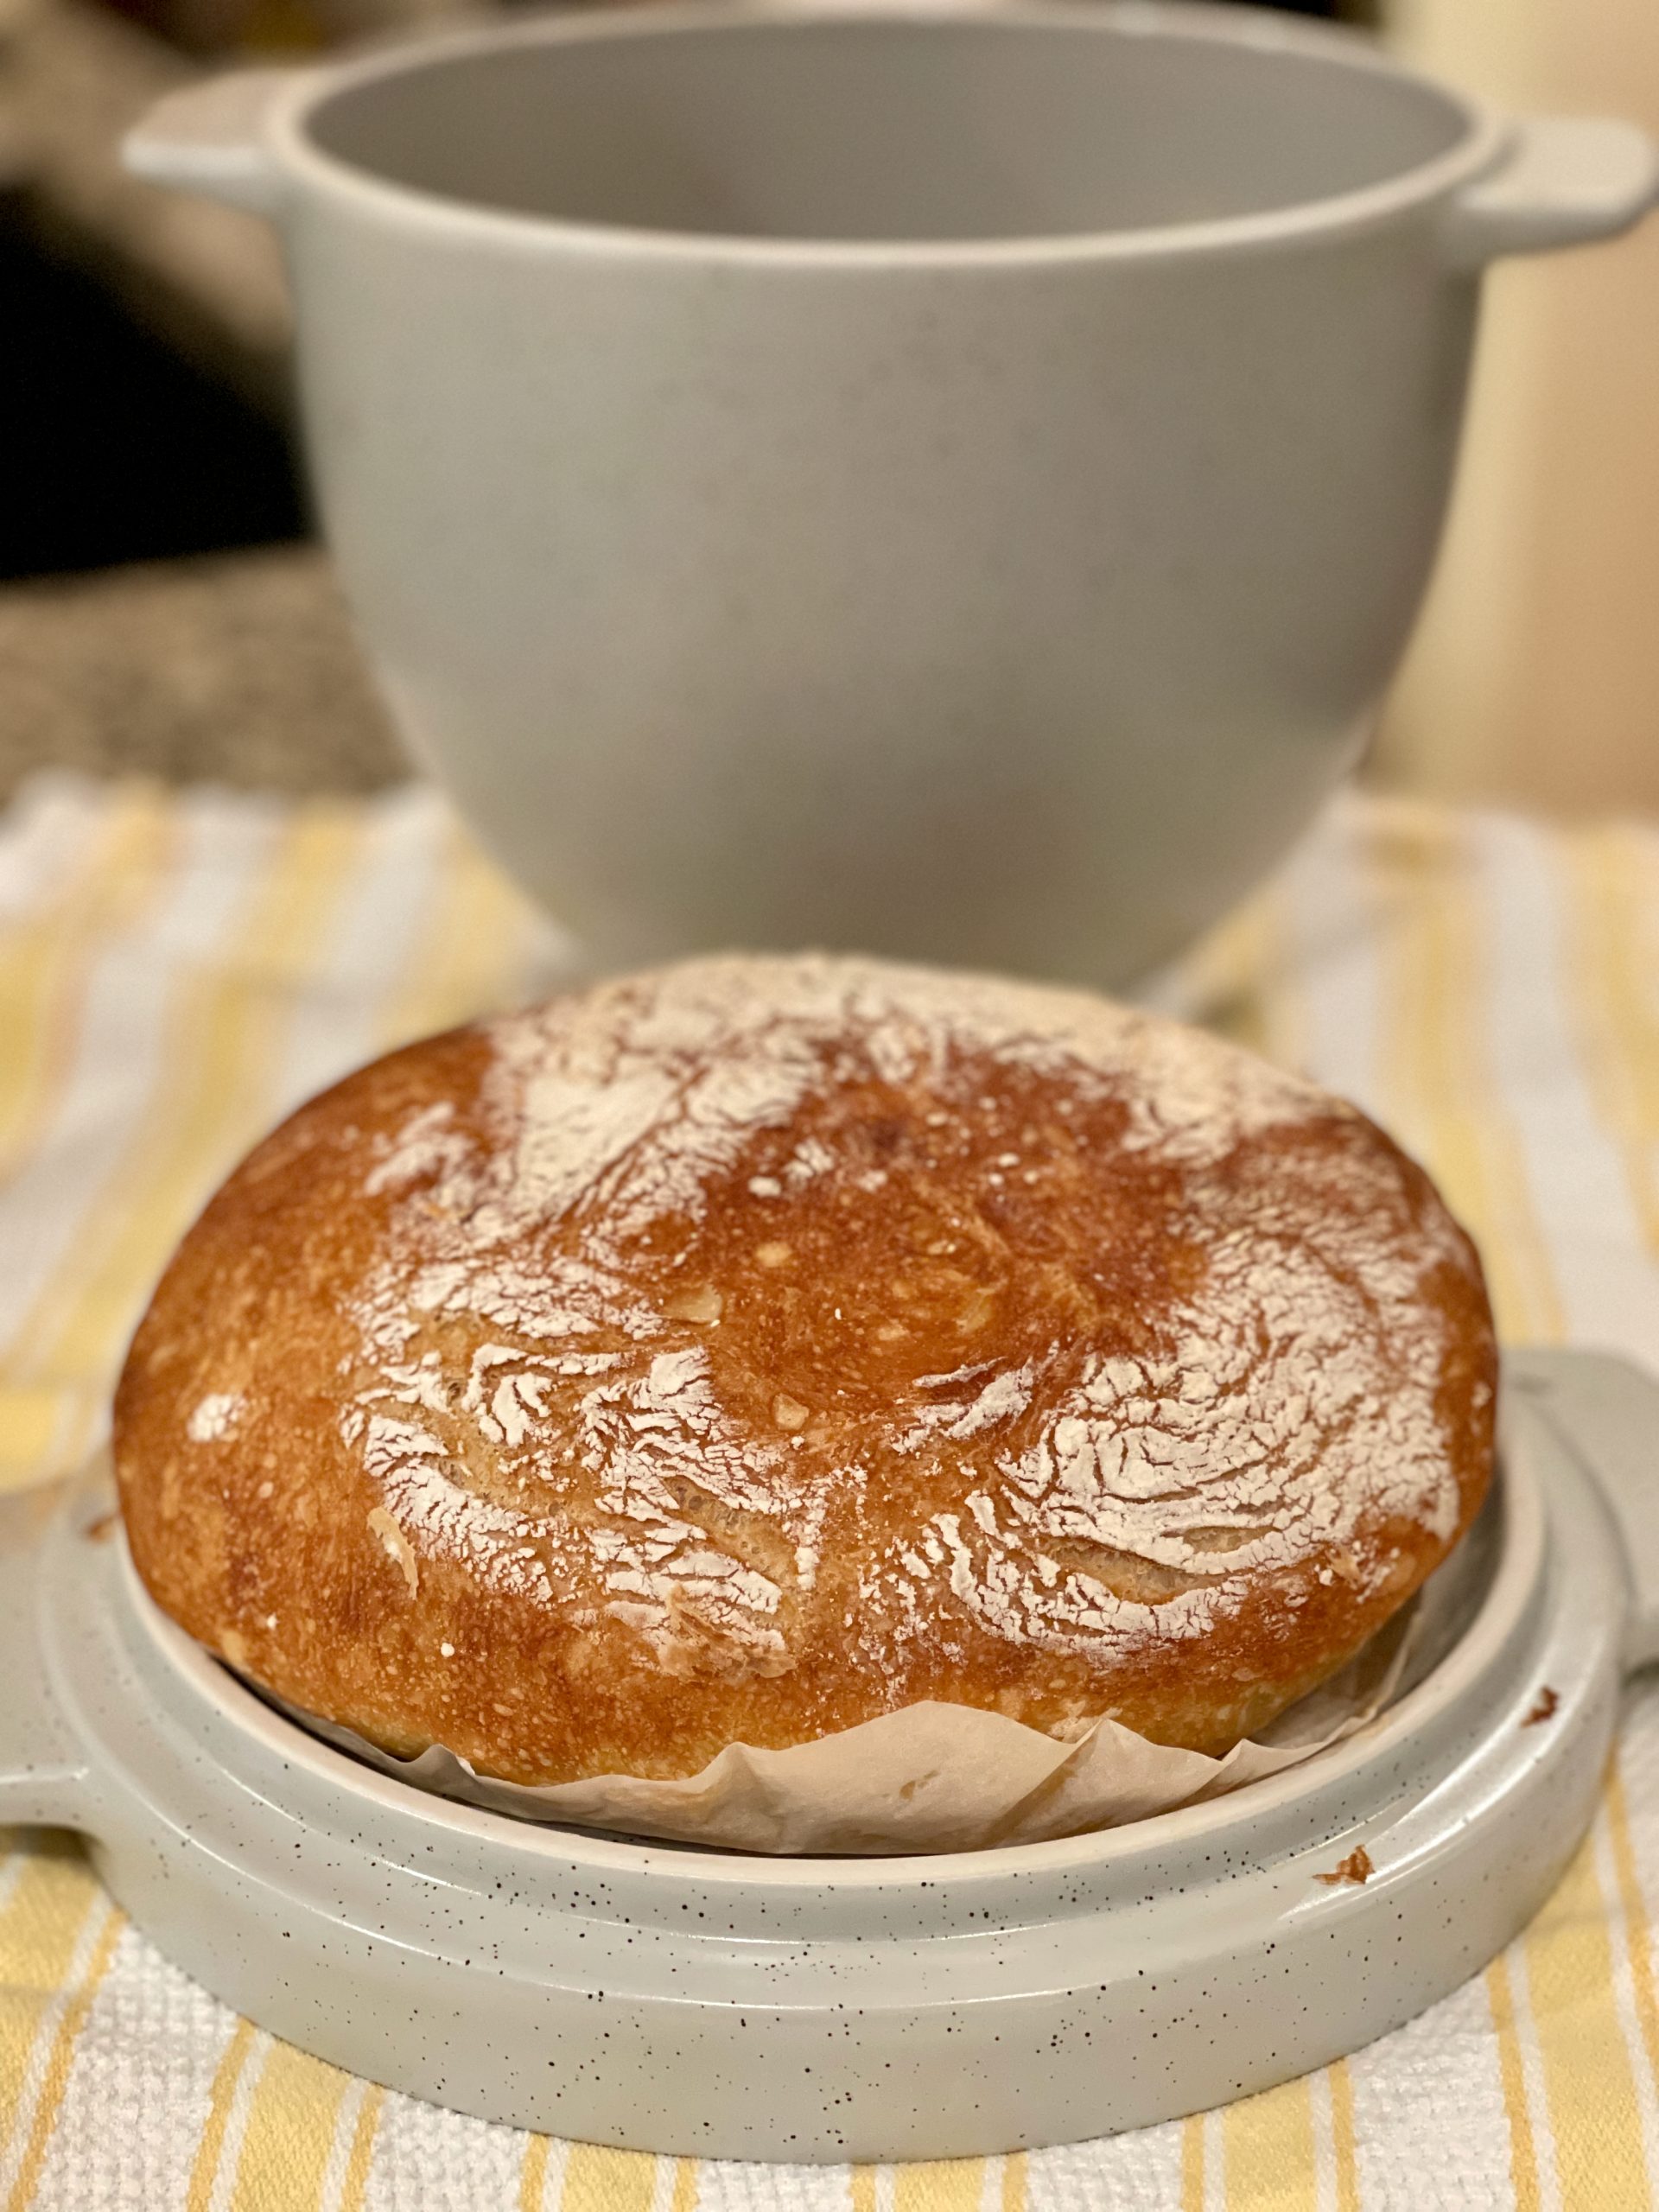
(1534, 673)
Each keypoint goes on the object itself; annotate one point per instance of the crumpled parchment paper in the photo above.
(940, 1777)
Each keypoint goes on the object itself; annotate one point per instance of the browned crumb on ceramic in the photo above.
(1356, 1867)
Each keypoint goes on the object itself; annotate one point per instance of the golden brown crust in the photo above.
(737, 1352)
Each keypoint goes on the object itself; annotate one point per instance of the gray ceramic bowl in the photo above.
(947, 480)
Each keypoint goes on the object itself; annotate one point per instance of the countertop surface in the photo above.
(238, 668)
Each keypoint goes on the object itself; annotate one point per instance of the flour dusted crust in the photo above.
(741, 1350)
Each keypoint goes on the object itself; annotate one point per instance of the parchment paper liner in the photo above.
(936, 1777)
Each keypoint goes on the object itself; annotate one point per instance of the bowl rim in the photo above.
(1335, 216)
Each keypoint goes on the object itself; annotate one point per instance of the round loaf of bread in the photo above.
(741, 1350)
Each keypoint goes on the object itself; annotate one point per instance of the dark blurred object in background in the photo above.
(113, 446)
(220, 26)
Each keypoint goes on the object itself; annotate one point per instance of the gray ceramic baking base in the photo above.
(669, 2000)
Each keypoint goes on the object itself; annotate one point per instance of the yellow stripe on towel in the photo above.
(1599, 2159)
(1554, 1995)
(45, 957)
(939, 2185)
(80, 1989)
(214, 1099)
(1612, 880)
(1267, 2152)
(53, 1929)
(293, 2114)
(474, 955)
(598, 2180)
(1523, 2151)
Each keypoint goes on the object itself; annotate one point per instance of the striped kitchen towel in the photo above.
(177, 970)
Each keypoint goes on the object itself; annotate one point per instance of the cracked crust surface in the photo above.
(740, 1351)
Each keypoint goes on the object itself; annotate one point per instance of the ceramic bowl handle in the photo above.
(211, 138)
(1563, 181)
(1606, 1412)
(42, 1774)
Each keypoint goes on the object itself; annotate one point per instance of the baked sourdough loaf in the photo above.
(739, 1351)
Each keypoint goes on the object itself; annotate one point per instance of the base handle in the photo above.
(1603, 1410)
(42, 1771)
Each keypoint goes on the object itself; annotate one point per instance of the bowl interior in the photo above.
(1037, 123)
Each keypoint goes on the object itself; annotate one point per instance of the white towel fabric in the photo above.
(176, 969)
